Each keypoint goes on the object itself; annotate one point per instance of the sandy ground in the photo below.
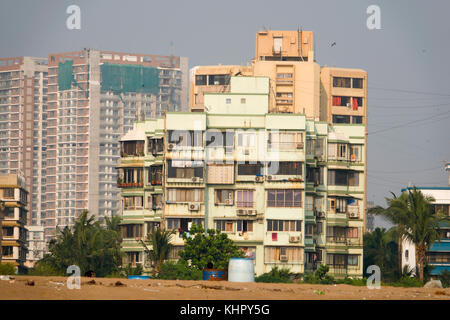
(55, 288)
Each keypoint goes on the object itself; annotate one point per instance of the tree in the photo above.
(380, 248)
(160, 240)
(211, 247)
(416, 222)
(88, 245)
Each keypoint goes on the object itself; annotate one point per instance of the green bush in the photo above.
(321, 276)
(130, 271)
(407, 282)
(179, 270)
(352, 282)
(275, 276)
(44, 269)
(445, 278)
(7, 269)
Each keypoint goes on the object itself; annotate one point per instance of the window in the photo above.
(355, 153)
(341, 101)
(173, 224)
(200, 80)
(284, 225)
(184, 169)
(155, 175)
(184, 195)
(319, 228)
(225, 225)
(155, 146)
(283, 254)
(8, 193)
(357, 83)
(285, 168)
(220, 139)
(244, 226)
(277, 43)
(352, 260)
(224, 197)
(243, 100)
(343, 178)
(284, 198)
(341, 82)
(8, 231)
(352, 232)
(406, 254)
(221, 174)
(336, 260)
(309, 203)
(357, 119)
(246, 139)
(7, 251)
(341, 119)
(156, 201)
(133, 203)
(219, 79)
(228, 101)
(132, 231)
(186, 138)
(250, 169)
(285, 141)
(314, 175)
(244, 198)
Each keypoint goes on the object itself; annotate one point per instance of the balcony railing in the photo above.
(129, 184)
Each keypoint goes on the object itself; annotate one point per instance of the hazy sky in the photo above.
(410, 54)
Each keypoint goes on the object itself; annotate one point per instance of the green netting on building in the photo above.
(121, 78)
(65, 75)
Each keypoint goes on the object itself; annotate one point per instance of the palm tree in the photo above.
(379, 249)
(416, 222)
(160, 241)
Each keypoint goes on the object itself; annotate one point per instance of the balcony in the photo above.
(130, 184)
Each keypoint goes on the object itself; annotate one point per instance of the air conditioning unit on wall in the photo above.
(194, 206)
(284, 258)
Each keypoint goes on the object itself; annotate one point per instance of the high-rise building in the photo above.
(23, 103)
(13, 237)
(93, 98)
(287, 190)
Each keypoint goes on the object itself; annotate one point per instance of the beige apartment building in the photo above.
(13, 238)
(23, 103)
(93, 98)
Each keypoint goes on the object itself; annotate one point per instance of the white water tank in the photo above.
(241, 270)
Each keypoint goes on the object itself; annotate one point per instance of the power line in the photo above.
(411, 122)
(405, 171)
(411, 91)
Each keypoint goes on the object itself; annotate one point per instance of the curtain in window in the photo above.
(336, 101)
(355, 104)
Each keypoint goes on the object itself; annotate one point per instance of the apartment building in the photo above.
(297, 83)
(287, 189)
(438, 256)
(13, 238)
(36, 245)
(93, 99)
(23, 103)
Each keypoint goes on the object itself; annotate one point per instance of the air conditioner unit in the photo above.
(269, 178)
(447, 235)
(195, 179)
(284, 258)
(229, 201)
(349, 105)
(259, 179)
(246, 152)
(251, 212)
(294, 239)
(170, 146)
(353, 214)
(320, 214)
(194, 206)
(241, 212)
(299, 145)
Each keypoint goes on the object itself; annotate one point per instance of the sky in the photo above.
(407, 60)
